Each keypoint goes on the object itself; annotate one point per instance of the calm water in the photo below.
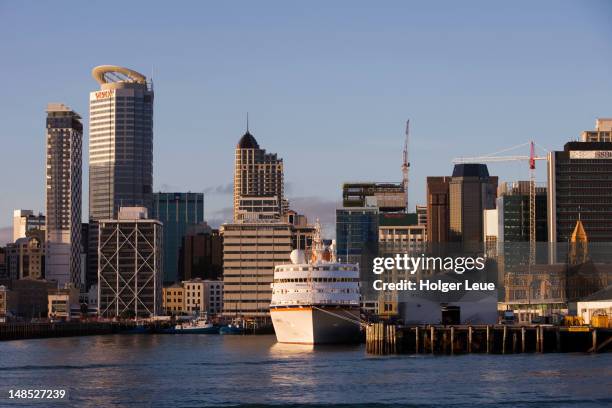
(200, 370)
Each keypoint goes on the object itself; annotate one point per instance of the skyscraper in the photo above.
(258, 181)
(63, 194)
(471, 191)
(120, 149)
(120, 142)
(177, 212)
(438, 208)
(579, 186)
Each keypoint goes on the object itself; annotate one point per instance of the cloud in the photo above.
(220, 189)
(318, 207)
(220, 216)
(6, 235)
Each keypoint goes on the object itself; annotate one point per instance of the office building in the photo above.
(471, 191)
(120, 142)
(513, 212)
(25, 258)
(201, 253)
(579, 186)
(63, 195)
(421, 211)
(177, 212)
(258, 182)
(387, 197)
(120, 148)
(174, 299)
(203, 296)
(24, 221)
(130, 269)
(251, 250)
(438, 209)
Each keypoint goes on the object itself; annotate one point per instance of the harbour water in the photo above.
(209, 370)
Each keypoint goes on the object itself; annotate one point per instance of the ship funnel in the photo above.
(297, 256)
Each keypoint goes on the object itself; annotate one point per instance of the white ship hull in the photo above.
(305, 325)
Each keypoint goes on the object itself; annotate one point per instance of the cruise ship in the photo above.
(316, 301)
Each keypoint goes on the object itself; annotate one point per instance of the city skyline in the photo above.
(455, 85)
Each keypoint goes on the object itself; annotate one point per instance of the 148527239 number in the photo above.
(37, 394)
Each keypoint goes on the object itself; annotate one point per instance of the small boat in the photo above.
(232, 328)
(198, 326)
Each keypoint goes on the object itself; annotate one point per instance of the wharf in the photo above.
(383, 338)
(21, 331)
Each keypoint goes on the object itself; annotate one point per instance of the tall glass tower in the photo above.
(120, 142)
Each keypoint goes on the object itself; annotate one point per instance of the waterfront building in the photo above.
(438, 207)
(258, 181)
(579, 186)
(177, 212)
(174, 299)
(251, 250)
(25, 221)
(201, 253)
(9, 303)
(397, 234)
(357, 242)
(32, 297)
(63, 195)
(25, 258)
(471, 191)
(203, 296)
(130, 269)
(3, 266)
(63, 304)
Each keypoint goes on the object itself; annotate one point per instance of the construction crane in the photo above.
(406, 163)
(492, 158)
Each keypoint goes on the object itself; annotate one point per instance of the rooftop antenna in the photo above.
(247, 122)
(406, 163)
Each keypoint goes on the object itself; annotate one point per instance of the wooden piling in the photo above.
(452, 340)
(504, 339)
(488, 339)
(433, 339)
(470, 333)
(522, 339)
(594, 337)
(416, 340)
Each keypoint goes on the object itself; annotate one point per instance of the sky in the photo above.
(327, 85)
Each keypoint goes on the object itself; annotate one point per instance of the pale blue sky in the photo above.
(328, 85)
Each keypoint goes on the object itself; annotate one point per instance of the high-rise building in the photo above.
(120, 142)
(201, 253)
(471, 191)
(63, 195)
(25, 258)
(25, 221)
(177, 212)
(387, 197)
(120, 148)
(438, 208)
(130, 267)
(251, 250)
(513, 212)
(258, 182)
(579, 186)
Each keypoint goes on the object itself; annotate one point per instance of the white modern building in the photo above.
(24, 221)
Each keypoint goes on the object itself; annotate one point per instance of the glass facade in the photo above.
(177, 212)
(357, 240)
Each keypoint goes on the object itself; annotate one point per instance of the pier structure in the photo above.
(383, 338)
